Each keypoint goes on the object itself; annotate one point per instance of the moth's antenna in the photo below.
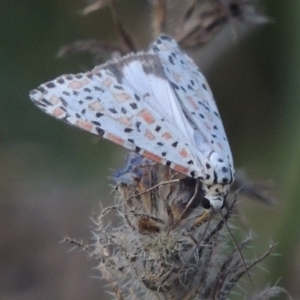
(237, 247)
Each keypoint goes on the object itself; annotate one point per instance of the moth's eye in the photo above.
(206, 203)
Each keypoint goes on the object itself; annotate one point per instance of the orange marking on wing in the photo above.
(125, 121)
(58, 112)
(220, 146)
(122, 97)
(192, 102)
(181, 169)
(54, 100)
(208, 127)
(96, 106)
(209, 117)
(78, 84)
(85, 125)
(148, 118)
(167, 136)
(107, 82)
(177, 77)
(149, 135)
(115, 139)
(152, 156)
(183, 153)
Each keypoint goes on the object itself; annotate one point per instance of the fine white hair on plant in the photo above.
(141, 258)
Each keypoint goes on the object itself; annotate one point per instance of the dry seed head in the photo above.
(147, 256)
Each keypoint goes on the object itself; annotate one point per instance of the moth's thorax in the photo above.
(218, 170)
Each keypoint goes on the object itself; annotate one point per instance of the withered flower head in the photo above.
(151, 254)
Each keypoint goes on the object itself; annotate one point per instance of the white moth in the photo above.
(156, 103)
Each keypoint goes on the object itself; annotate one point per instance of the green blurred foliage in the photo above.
(52, 176)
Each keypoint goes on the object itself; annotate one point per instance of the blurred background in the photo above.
(53, 177)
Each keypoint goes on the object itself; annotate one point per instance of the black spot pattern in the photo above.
(131, 141)
(174, 86)
(206, 107)
(42, 90)
(137, 149)
(112, 110)
(99, 89)
(48, 103)
(215, 177)
(216, 114)
(50, 85)
(171, 60)
(63, 101)
(100, 131)
(138, 124)
(224, 169)
(96, 123)
(60, 81)
(133, 105)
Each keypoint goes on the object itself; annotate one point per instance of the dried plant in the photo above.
(202, 19)
(148, 255)
(191, 23)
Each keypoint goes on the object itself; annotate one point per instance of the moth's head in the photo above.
(216, 203)
(215, 196)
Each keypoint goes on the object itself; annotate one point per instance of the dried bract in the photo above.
(146, 256)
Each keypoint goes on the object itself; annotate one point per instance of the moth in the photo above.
(156, 103)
